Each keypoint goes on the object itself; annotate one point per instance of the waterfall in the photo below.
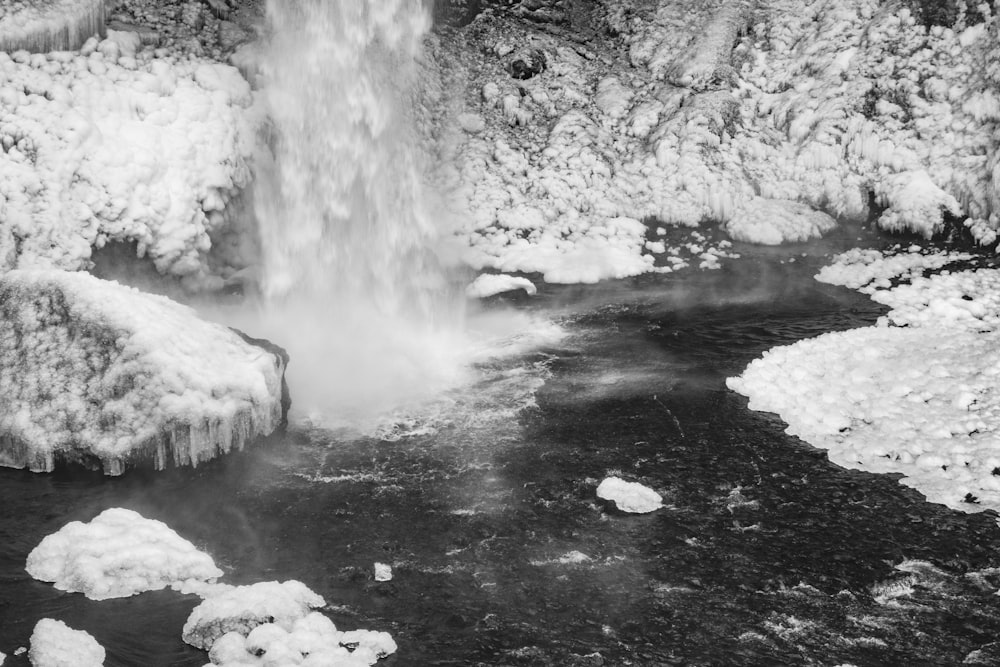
(349, 242)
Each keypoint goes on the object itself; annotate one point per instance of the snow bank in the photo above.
(917, 394)
(270, 623)
(96, 372)
(772, 128)
(114, 144)
(117, 554)
(629, 496)
(55, 644)
(489, 284)
(49, 25)
(870, 270)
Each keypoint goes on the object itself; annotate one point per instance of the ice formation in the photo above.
(271, 623)
(49, 25)
(489, 284)
(55, 644)
(111, 143)
(773, 128)
(871, 270)
(916, 394)
(96, 372)
(629, 497)
(117, 554)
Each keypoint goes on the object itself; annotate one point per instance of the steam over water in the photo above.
(351, 278)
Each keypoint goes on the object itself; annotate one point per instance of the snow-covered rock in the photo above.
(49, 25)
(113, 144)
(55, 644)
(117, 554)
(629, 497)
(271, 623)
(243, 608)
(916, 394)
(96, 372)
(772, 123)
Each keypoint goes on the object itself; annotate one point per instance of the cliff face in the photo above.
(577, 121)
(107, 376)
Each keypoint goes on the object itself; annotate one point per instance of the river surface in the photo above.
(765, 554)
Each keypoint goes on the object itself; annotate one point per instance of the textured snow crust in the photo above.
(773, 123)
(117, 554)
(916, 394)
(97, 372)
(114, 143)
(55, 644)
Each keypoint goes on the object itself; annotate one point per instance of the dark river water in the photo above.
(765, 554)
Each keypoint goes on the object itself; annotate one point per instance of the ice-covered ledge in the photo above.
(41, 26)
(102, 374)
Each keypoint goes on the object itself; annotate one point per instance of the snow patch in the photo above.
(916, 394)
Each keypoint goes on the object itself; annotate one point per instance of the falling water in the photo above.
(351, 276)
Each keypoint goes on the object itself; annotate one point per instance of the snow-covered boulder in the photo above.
(55, 644)
(243, 608)
(49, 25)
(118, 554)
(312, 641)
(95, 372)
(629, 497)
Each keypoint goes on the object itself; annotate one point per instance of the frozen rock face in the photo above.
(113, 143)
(98, 373)
(49, 25)
(55, 644)
(769, 120)
(117, 554)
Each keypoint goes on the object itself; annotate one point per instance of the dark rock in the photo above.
(527, 65)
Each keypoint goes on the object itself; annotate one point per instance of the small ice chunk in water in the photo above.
(383, 572)
(118, 554)
(55, 644)
(629, 496)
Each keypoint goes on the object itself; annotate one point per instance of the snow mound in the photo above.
(117, 554)
(917, 394)
(243, 608)
(55, 644)
(775, 221)
(871, 270)
(629, 497)
(113, 144)
(489, 284)
(270, 623)
(96, 372)
(49, 25)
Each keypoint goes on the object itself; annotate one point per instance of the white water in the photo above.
(351, 278)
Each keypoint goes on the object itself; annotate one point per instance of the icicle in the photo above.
(55, 26)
